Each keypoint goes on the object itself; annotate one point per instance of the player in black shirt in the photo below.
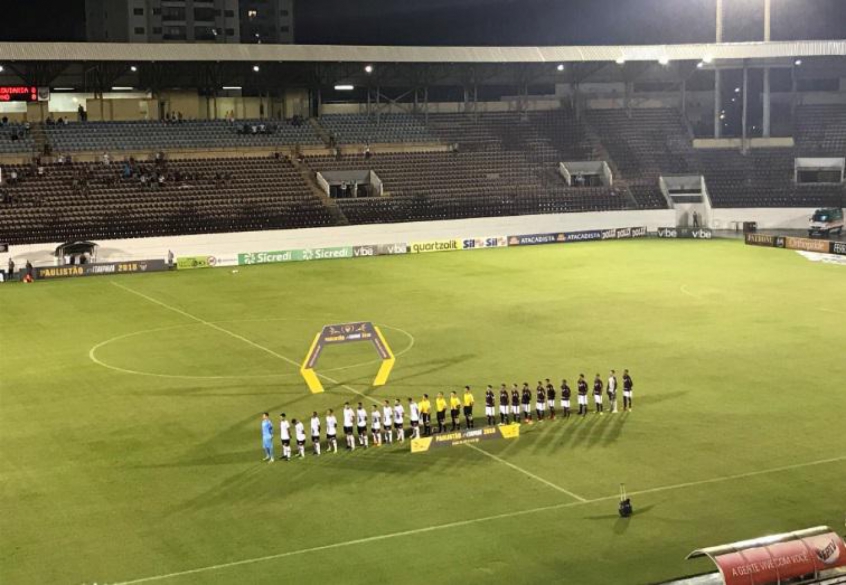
(526, 399)
(490, 405)
(583, 389)
(550, 398)
(503, 405)
(515, 403)
(597, 394)
(627, 391)
(565, 398)
(540, 401)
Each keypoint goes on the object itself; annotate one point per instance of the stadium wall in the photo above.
(227, 246)
(791, 218)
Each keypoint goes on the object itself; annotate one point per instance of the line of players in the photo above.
(514, 407)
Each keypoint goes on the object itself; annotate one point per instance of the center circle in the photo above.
(93, 352)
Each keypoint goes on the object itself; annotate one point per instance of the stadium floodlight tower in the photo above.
(768, 13)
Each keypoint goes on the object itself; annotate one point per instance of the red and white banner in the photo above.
(773, 563)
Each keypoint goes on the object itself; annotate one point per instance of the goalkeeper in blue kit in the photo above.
(267, 437)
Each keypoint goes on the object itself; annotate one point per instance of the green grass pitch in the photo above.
(146, 467)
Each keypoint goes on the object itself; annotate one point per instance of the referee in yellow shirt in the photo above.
(440, 408)
(468, 407)
(455, 410)
(426, 415)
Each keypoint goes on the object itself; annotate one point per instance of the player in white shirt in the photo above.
(376, 425)
(388, 418)
(285, 437)
(414, 417)
(331, 431)
(612, 391)
(361, 423)
(349, 417)
(399, 413)
(315, 433)
(299, 433)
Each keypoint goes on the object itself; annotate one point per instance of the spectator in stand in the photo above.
(107, 160)
(4, 121)
(13, 177)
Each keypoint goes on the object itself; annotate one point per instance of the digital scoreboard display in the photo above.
(18, 93)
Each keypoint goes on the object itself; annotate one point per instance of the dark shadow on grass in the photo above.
(600, 429)
(616, 429)
(621, 525)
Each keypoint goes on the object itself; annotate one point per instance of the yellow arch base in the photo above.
(312, 378)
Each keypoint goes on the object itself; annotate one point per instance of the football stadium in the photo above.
(383, 312)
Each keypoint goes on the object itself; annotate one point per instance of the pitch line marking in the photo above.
(527, 473)
(92, 353)
(469, 522)
(327, 378)
(683, 288)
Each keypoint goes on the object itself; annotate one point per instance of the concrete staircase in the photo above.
(331, 205)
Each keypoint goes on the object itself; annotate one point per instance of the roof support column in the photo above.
(745, 116)
(767, 99)
(718, 123)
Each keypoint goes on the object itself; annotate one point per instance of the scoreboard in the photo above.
(18, 93)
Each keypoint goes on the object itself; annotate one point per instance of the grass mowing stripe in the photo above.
(329, 379)
(366, 540)
(469, 522)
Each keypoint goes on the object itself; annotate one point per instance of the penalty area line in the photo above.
(461, 523)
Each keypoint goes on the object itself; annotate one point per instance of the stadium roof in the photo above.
(164, 52)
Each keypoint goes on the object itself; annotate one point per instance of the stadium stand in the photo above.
(505, 164)
(763, 178)
(94, 200)
(499, 164)
(821, 130)
(22, 142)
(384, 128)
(193, 134)
(644, 144)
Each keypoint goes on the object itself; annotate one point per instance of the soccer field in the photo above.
(130, 411)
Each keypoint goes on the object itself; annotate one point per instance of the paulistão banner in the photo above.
(424, 444)
(99, 269)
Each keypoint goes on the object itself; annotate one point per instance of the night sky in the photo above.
(490, 22)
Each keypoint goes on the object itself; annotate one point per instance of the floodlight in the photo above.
(1, 69)
(797, 62)
(620, 61)
(344, 88)
(133, 68)
(664, 60)
(121, 88)
(231, 87)
(368, 68)
(560, 67)
(700, 65)
(256, 68)
(707, 59)
(736, 90)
